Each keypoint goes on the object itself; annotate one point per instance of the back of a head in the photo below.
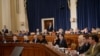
(80, 39)
(95, 38)
(86, 36)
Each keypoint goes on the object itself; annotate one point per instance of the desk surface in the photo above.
(30, 49)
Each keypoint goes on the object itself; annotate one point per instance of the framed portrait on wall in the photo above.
(46, 22)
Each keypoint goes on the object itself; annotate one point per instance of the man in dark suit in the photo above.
(35, 40)
(83, 43)
(50, 27)
(43, 40)
(94, 48)
(26, 39)
(0, 33)
(15, 39)
(5, 30)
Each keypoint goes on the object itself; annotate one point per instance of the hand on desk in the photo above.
(70, 52)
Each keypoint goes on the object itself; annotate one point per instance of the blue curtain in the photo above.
(88, 13)
(38, 9)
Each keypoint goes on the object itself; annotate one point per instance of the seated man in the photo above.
(83, 44)
(94, 49)
(35, 40)
(85, 31)
(77, 31)
(43, 40)
(5, 30)
(26, 40)
(37, 32)
(20, 34)
(15, 40)
(60, 31)
(45, 32)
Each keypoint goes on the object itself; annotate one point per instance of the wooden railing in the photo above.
(70, 38)
(30, 49)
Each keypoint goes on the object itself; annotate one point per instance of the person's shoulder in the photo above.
(98, 44)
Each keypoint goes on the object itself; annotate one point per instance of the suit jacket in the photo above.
(16, 41)
(96, 50)
(83, 48)
(43, 41)
(37, 40)
(0, 34)
(61, 43)
(5, 30)
(26, 41)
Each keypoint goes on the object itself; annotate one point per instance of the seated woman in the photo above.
(43, 40)
(26, 40)
(35, 40)
(60, 41)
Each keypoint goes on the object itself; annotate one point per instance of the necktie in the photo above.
(92, 49)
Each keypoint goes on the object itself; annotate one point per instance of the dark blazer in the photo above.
(50, 28)
(16, 41)
(37, 40)
(43, 41)
(0, 33)
(5, 31)
(26, 41)
(83, 48)
(61, 43)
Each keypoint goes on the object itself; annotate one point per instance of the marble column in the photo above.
(14, 17)
(6, 16)
(73, 18)
(22, 17)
